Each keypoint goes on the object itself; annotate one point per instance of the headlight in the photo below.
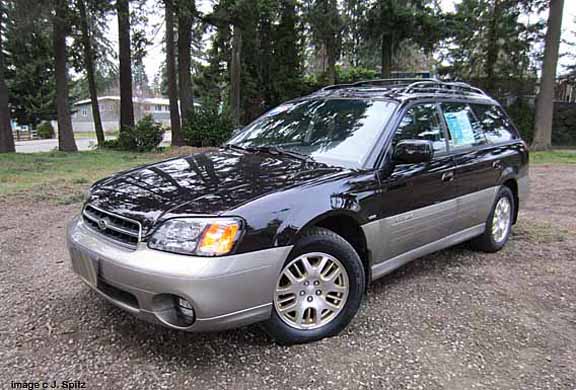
(197, 236)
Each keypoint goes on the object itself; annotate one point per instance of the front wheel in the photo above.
(318, 291)
(499, 223)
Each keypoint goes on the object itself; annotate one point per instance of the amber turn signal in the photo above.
(218, 239)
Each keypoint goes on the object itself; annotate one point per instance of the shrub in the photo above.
(45, 130)
(522, 114)
(564, 126)
(209, 126)
(144, 137)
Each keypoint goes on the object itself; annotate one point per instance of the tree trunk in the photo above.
(171, 74)
(386, 57)
(66, 141)
(89, 64)
(6, 136)
(331, 58)
(125, 57)
(184, 66)
(492, 45)
(545, 102)
(235, 73)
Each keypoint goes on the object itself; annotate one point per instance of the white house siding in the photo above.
(83, 121)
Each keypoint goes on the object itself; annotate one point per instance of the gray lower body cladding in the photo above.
(226, 292)
(398, 239)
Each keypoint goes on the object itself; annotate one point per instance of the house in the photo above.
(83, 121)
(566, 88)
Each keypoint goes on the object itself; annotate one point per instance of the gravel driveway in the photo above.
(453, 320)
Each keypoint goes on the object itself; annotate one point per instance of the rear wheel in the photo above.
(499, 223)
(318, 291)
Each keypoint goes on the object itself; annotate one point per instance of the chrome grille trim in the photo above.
(120, 229)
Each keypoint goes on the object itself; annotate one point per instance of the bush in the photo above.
(144, 137)
(522, 115)
(209, 127)
(564, 126)
(45, 130)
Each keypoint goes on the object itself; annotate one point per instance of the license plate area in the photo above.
(85, 265)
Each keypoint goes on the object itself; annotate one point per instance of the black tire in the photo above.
(326, 241)
(486, 242)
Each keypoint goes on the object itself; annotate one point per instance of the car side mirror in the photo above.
(413, 151)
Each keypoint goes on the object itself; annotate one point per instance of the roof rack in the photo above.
(438, 86)
(375, 82)
(410, 85)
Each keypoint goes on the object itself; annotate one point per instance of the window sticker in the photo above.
(460, 127)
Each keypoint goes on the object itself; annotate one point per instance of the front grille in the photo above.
(115, 227)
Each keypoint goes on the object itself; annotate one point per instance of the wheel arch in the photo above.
(348, 226)
(512, 184)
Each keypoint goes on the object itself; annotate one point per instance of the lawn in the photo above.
(554, 157)
(56, 174)
(63, 177)
(92, 135)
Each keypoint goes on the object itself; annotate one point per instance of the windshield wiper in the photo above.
(236, 147)
(277, 150)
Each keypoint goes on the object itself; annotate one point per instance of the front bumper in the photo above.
(226, 292)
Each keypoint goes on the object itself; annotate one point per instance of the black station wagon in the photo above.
(288, 222)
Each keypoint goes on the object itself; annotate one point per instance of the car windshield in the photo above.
(333, 131)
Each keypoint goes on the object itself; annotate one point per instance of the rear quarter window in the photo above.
(495, 124)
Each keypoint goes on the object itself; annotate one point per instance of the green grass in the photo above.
(63, 176)
(553, 157)
(92, 135)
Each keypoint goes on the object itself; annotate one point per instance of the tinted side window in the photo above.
(421, 122)
(495, 124)
(463, 128)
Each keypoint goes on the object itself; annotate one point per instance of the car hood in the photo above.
(209, 183)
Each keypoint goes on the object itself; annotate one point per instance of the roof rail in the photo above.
(335, 86)
(375, 82)
(407, 85)
(391, 82)
(438, 86)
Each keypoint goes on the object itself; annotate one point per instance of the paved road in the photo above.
(47, 145)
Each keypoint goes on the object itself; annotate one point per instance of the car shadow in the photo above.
(137, 335)
(436, 263)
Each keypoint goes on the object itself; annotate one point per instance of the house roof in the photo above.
(150, 100)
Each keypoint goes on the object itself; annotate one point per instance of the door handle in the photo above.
(448, 176)
(497, 164)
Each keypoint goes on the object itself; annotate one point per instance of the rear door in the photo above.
(477, 167)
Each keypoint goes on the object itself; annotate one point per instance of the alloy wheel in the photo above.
(311, 291)
(501, 219)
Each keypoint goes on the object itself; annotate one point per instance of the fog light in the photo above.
(185, 308)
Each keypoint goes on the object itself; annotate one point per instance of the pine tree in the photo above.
(66, 142)
(170, 66)
(125, 56)
(326, 25)
(545, 101)
(88, 22)
(287, 54)
(6, 136)
(185, 12)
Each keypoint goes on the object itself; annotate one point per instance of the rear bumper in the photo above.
(226, 292)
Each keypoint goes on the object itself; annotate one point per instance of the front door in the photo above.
(417, 200)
